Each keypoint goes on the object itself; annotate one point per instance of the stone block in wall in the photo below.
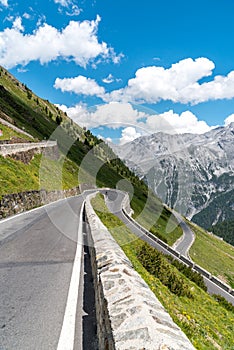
(25, 156)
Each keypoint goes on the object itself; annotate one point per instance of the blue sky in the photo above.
(148, 66)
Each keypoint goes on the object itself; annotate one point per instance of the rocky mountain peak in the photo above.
(193, 173)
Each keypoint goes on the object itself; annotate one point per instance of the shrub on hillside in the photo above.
(188, 272)
(156, 264)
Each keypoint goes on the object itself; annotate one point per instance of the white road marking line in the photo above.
(67, 335)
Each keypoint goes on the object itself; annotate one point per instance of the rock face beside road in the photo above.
(129, 316)
(16, 203)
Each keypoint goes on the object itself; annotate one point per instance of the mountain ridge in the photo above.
(187, 171)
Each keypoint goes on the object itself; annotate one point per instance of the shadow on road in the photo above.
(90, 341)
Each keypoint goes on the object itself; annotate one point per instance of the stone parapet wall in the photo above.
(129, 316)
(25, 152)
(16, 203)
(8, 149)
(126, 205)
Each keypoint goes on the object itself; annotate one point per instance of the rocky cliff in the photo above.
(192, 173)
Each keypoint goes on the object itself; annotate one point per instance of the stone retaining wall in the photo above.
(25, 152)
(7, 149)
(15, 203)
(129, 316)
(13, 140)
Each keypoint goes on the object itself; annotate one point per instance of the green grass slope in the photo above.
(87, 159)
(213, 254)
(206, 322)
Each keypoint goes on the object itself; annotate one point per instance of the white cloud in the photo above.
(229, 120)
(26, 15)
(117, 115)
(179, 83)
(64, 3)
(129, 134)
(114, 115)
(80, 85)
(109, 79)
(78, 42)
(17, 24)
(173, 123)
(78, 113)
(4, 2)
(74, 10)
(105, 139)
(154, 83)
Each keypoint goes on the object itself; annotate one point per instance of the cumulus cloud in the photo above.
(78, 113)
(78, 42)
(135, 123)
(229, 120)
(113, 115)
(173, 123)
(129, 134)
(80, 85)
(179, 83)
(4, 2)
(17, 24)
(155, 83)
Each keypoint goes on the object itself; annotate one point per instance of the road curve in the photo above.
(184, 243)
(113, 201)
(37, 253)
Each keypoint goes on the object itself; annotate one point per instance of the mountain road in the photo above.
(113, 201)
(183, 245)
(41, 279)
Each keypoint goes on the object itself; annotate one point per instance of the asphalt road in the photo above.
(44, 302)
(187, 239)
(40, 268)
(113, 201)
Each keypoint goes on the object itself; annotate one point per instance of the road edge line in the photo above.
(67, 334)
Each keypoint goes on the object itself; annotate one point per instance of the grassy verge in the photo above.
(16, 176)
(163, 224)
(207, 324)
(213, 254)
(8, 133)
